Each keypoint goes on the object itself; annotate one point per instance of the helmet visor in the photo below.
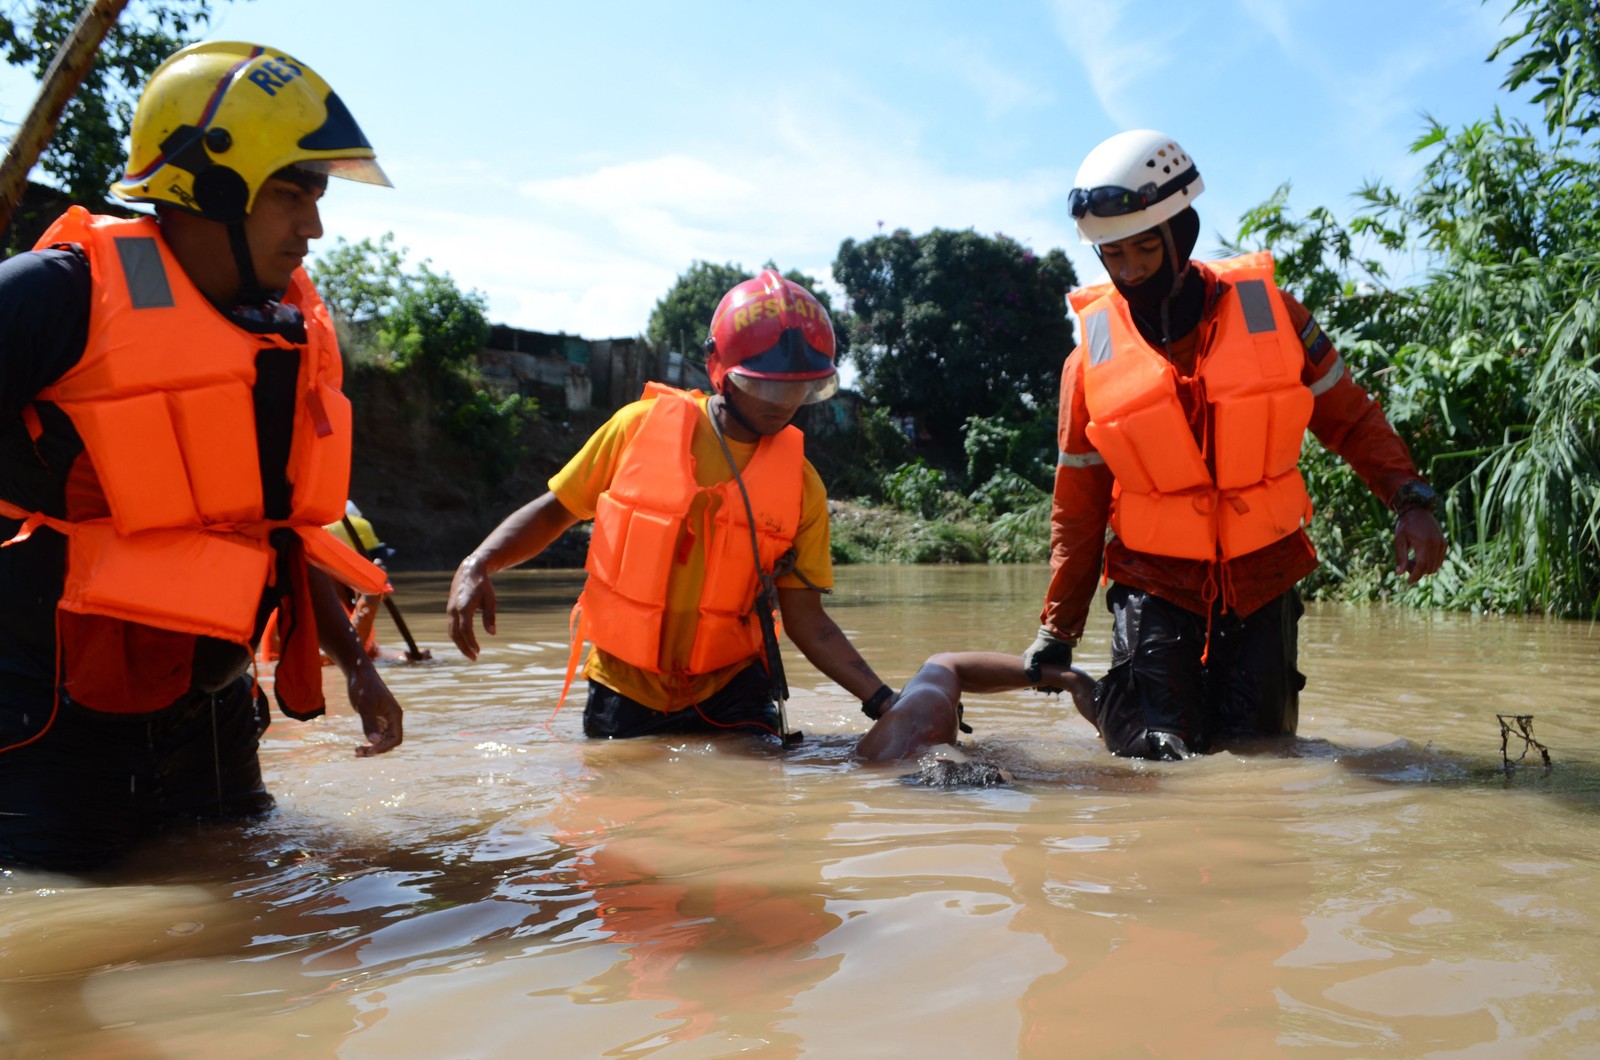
(366, 170)
(791, 357)
(789, 371)
(1108, 200)
(786, 391)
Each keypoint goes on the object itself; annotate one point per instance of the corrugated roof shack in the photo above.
(620, 368)
(838, 417)
(538, 365)
(677, 370)
(580, 373)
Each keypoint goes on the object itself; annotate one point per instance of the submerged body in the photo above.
(927, 714)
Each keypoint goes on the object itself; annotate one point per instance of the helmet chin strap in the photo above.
(727, 405)
(1177, 284)
(250, 290)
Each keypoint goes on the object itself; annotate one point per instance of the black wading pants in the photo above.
(95, 783)
(744, 703)
(1249, 685)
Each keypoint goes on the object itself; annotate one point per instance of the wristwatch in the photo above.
(1414, 495)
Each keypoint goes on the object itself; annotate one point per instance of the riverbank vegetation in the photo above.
(1487, 365)
(418, 324)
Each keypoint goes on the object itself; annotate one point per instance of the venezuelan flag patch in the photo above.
(1316, 341)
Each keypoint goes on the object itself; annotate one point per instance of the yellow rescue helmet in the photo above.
(364, 533)
(219, 118)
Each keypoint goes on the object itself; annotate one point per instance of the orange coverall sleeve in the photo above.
(1345, 418)
(1078, 514)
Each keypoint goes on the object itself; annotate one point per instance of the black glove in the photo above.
(1046, 648)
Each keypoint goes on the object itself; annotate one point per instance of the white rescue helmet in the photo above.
(1130, 183)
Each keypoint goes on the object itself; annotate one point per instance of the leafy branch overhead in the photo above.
(87, 154)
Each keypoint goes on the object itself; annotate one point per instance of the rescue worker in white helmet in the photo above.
(699, 502)
(1182, 414)
(174, 439)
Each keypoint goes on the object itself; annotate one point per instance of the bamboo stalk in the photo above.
(61, 81)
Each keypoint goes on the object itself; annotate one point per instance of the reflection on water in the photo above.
(502, 887)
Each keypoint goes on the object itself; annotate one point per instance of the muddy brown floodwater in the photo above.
(501, 887)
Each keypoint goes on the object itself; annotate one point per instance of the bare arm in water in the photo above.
(522, 535)
(925, 714)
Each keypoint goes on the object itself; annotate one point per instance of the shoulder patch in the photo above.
(1315, 340)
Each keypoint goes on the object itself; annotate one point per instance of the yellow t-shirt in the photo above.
(587, 475)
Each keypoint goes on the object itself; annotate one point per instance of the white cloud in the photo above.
(1274, 16)
(1115, 61)
(1000, 89)
(685, 183)
(590, 252)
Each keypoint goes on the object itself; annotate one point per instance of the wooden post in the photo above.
(66, 73)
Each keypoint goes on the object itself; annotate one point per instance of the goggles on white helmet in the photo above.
(1109, 200)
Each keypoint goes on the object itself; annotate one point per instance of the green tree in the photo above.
(949, 325)
(421, 323)
(682, 318)
(86, 155)
(996, 448)
(1489, 365)
(1562, 58)
(435, 325)
(361, 282)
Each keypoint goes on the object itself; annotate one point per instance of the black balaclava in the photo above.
(1167, 304)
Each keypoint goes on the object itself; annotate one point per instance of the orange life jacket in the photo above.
(177, 538)
(1171, 498)
(640, 537)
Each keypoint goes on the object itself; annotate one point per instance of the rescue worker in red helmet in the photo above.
(172, 439)
(696, 500)
(1182, 414)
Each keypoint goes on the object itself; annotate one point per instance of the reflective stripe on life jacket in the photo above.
(163, 399)
(1172, 498)
(641, 538)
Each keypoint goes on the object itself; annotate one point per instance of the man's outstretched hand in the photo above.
(1418, 545)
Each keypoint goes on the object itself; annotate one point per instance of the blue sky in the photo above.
(570, 160)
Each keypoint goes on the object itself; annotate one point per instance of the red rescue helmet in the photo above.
(772, 339)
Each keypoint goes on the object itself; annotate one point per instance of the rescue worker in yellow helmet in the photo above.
(174, 440)
(696, 500)
(363, 607)
(366, 539)
(1182, 414)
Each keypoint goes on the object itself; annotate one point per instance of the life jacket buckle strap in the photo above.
(319, 413)
(31, 521)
